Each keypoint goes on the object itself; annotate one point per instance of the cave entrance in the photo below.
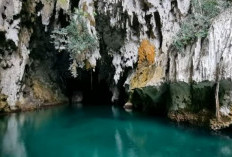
(87, 88)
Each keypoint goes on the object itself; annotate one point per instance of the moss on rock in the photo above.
(192, 103)
(202, 96)
(3, 103)
(180, 96)
(150, 97)
(44, 93)
(202, 118)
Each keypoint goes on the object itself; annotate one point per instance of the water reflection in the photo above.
(102, 132)
(12, 144)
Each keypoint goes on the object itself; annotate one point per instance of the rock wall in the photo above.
(19, 24)
(191, 75)
(135, 51)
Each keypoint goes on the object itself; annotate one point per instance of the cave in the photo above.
(90, 86)
(87, 85)
(108, 78)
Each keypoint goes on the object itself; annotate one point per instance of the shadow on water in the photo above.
(103, 131)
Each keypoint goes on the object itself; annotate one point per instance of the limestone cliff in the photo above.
(25, 55)
(135, 52)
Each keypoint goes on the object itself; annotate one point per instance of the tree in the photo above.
(75, 39)
(198, 23)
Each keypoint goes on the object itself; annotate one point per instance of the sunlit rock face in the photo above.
(135, 49)
(208, 60)
(202, 59)
(19, 23)
(13, 37)
(126, 25)
(154, 21)
(197, 68)
(158, 22)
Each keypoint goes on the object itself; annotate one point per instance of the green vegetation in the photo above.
(76, 40)
(198, 23)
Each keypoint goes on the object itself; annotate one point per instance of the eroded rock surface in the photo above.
(135, 52)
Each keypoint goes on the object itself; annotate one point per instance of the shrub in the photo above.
(76, 40)
(198, 23)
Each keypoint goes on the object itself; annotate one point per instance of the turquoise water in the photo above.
(103, 131)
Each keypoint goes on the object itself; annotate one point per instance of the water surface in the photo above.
(103, 131)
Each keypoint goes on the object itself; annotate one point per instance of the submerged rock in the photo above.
(77, 97)
(128, 106)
